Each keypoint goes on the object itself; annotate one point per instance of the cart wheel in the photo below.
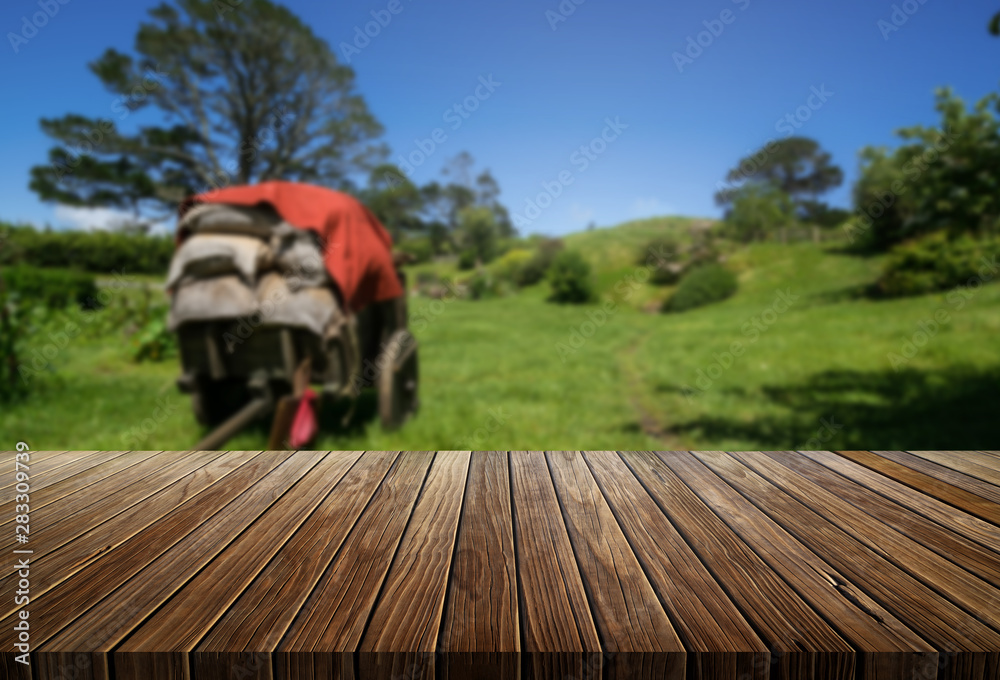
(397, 380)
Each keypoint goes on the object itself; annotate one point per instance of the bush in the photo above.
(512, 264)
(54, 288)
(935, 262)
(467, 260)
(758, 210)
(93, 251)
(703, 285)
(12, 334)
(534, 270)
(569, 276)
(152, 341)
(663, 256)
(420, 249)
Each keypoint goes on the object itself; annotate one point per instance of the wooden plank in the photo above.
(558, 628)
(953, 477)
(77, 539)
(333, 617)
(783, 620)
(627, 612)
(981, 467)
(721, 642)
(61, 467)
(976, 596)
(950, 546)
(925, 483)
(82, 490)
(930, 615)
(888, 648)
(77, 595)
(192, 610)
(41, 469)
(262, 614)
(408, 615)
(927, 506)
(163, 576)
(309, 666)
(480, 631)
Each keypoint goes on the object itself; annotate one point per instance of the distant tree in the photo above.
(940, 179)
(394, 199)
(444, 202)
(797, 166)
(478, 233)
(757, 210)
(248, 93)
(995, 24)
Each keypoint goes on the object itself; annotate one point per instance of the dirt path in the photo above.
(650, 425)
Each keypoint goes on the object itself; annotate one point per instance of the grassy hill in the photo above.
(796, 359)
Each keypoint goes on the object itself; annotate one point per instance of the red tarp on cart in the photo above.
(357, 248)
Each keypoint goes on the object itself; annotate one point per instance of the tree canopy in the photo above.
(796, 166)
(247, 92)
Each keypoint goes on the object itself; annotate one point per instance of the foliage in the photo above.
(945, 178)
(702, 286)
(936, 262)
(510, 266)
(757, 211)
(821, 214)
(478, 233)
(571, 279)
(535, 269)
(467, 260)
(664, 255)
(395, 200)
(96, 251)
(153, 341)
(12, 334)
(248, 77)
(797, 166)
(420, 249)
(54, 288)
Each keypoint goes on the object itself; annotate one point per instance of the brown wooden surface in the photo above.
(315, 565)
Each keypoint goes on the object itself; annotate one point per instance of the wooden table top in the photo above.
(456, 564)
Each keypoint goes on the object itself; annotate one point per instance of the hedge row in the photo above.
(54, 288)
(101, 252)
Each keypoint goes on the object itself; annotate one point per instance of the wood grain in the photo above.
(334, 616)
(930, 615)
(783, 620)
(265, 610)
(195, 607)
(708, 622)
(407, 618)
(481, 610)
(928, 484)
(980, 466)
(926, 506)
(946, 543)
(948, 474)
(628, 615)
(557, 624)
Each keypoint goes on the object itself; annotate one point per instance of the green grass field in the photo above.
(812, 371)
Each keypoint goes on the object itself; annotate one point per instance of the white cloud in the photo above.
(89, 219)
(651, 207)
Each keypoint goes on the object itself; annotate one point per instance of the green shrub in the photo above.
(935, 262)
(510, 266)
(420, 249)
(467, 260)
(701, 286)
(12, 334)
(93, 251)
(663, 256)
(570, 278)
(152, 341)
(54, 288)
(534, 270)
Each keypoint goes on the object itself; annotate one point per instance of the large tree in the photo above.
(247, 93)
(796, 166)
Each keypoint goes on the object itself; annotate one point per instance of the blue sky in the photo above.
(556, 83)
